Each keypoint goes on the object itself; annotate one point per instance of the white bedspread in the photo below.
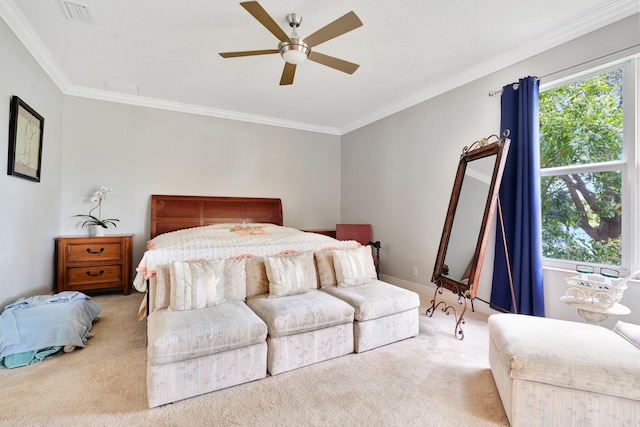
(226, 241)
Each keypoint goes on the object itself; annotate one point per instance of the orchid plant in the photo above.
(97, 198)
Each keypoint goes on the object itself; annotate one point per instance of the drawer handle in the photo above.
(95, 252)
(95, 274)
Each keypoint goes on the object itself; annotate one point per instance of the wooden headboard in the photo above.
(171, 213)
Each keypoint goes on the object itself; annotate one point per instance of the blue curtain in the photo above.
(520, 202)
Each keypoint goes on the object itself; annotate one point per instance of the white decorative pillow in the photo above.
(354, 266)
(162, 290)
(326, 271)
(235, 279)
(290, 274)
(257, 280)
(196, 284)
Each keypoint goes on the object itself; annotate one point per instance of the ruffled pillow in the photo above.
(354, 266)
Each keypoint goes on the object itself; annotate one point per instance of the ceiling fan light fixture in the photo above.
(295, 51)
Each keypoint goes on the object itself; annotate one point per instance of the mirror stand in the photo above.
(464, 236)
(447, 308)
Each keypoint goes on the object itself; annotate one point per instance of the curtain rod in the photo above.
(515, 85)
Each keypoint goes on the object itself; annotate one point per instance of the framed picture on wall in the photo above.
(25, 141)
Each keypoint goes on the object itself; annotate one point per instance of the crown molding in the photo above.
(17, 22)
(161, 104)
(612, 12)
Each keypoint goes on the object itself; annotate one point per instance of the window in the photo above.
(583, 168)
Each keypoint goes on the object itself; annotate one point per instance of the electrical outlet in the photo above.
(414, 271)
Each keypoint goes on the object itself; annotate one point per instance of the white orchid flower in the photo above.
(97, 198)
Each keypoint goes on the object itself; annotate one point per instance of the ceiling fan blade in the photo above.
(254, 8)
(344, 24)
(248, 53)
(287, 74)
(330, 61)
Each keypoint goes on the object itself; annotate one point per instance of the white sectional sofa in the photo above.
(561, 373)
(278, 313)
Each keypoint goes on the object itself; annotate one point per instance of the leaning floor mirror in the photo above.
(464, 235)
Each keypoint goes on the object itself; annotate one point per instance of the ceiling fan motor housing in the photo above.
(295, 51)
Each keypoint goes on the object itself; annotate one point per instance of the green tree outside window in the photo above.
(581, 128)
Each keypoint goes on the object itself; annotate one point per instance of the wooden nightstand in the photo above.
(326, 232)
(91, 263)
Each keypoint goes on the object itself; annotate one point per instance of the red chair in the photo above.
(361, 233)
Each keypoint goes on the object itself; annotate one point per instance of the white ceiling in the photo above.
(408, 51)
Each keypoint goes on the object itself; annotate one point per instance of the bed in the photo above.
(171, 213)
(201, 227)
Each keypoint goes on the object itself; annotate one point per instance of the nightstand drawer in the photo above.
(92, 252)
(102, 276)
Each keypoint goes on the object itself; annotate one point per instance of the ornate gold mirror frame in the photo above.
(466, 227)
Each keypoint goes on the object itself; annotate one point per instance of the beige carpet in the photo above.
(430, 380)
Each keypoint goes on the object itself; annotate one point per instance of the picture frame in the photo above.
(26, 130)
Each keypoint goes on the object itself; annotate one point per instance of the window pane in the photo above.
(581, 122)
(581, 217)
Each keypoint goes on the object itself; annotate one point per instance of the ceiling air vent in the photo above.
(122, 87)
(75, 12)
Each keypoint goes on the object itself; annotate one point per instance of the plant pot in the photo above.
(96, 231)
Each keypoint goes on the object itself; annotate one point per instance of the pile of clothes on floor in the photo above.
(34, 328)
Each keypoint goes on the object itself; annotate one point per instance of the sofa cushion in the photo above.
(180, 335)
(354, 266)
(161, 287)
(375, 299)
(235, 283)
(290, 274)
(235, 279)
(196, 284)
(300, 313)
(566, 354)
(326, 270)
(257, 280)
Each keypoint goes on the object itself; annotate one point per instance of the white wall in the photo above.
(141, 151)
(30, 211)
(411, 159)
(396, 173)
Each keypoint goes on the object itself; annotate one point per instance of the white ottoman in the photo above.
(555, 372)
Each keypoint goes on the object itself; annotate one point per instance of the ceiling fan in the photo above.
(293, 49)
